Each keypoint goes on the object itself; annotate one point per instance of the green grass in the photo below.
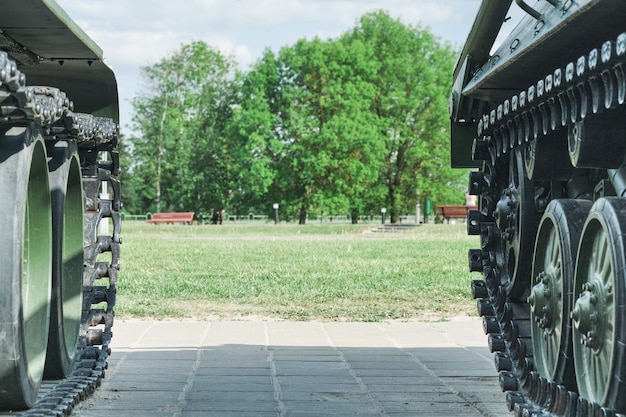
(312, 272)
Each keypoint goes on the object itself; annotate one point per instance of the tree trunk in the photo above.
(302, 219)
(393, 210)
(161, 151)
(354, 215)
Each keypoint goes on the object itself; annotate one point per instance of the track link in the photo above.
(94, 136)
(594, 84)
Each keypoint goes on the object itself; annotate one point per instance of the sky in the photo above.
(138, 33)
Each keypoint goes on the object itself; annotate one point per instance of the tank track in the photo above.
(53, 111)
(594, 84)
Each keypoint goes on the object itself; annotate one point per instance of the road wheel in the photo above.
(599, 311)
(25, 265)
(551, 292)
(67, 262)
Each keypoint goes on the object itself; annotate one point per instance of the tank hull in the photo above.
(542, 118)
(59, 163)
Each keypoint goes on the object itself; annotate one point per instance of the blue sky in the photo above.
(136, 33)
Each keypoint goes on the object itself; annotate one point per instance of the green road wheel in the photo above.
(598, 314)
(67, 261)
(25, 265)
(551, 292)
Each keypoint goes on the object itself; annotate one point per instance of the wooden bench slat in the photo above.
(176, 217)
(454, 212)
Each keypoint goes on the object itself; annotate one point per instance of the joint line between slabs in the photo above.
(278, 392)
(130, 349)
(182, 398)
(430, 372)
(353, 374)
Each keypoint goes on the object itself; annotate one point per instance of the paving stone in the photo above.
(295, 369)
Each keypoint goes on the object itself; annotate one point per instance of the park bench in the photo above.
(183, 217)
(454, 212)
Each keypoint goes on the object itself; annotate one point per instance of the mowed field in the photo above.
(287, 271)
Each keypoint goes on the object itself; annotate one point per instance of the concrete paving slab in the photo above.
(293, 369)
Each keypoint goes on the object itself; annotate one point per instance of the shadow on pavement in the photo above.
(265, 380)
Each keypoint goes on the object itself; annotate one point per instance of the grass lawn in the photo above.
(312, 272)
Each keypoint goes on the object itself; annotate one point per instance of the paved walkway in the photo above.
(298, 369)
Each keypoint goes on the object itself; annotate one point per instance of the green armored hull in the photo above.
(542, 118)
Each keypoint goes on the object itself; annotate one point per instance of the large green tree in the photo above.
(256, 135)
(412, 83)
(304, 116)
(332, 155)
(180, 157)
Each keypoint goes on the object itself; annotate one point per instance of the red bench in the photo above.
(183, 217)
(454, 212)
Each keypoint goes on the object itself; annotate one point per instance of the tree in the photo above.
(181, 114)
(255, 133)
(412, 82)
(322, 152)
(303, 116)
(337, 154)
(131, 188)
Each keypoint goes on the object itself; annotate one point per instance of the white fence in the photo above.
(251, 217)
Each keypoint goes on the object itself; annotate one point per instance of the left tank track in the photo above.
(93, 137)
(581, 90)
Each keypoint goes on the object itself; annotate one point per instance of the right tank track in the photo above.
(52, 112)
(523, 142)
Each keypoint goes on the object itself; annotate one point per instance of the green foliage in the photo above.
(181, 159)
(338, 126)
(255, 134)
(332, 155)
(412, 82)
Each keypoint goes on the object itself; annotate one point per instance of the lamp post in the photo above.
(275, 213)
(382, 212)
